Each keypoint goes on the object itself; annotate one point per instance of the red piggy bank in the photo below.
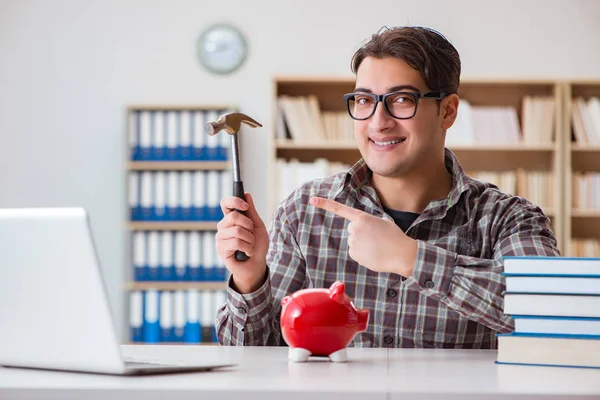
(320, 322)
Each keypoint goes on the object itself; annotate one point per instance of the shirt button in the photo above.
(429, 284)
(242, 310)
(388, 339)
(392, 292)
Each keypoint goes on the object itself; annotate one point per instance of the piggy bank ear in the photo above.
(336, 292)
(285, 300)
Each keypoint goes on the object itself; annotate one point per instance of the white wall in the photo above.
(69, 68)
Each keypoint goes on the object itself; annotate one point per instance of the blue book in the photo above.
(179, 317)
(552, 304)
(532, 324)
(136, 316)
(166, 317)
(140, 259)
(562, 284)
(192, 323)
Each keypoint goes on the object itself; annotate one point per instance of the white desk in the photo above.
(264, 373)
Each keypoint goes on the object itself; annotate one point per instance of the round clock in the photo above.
(222, 49)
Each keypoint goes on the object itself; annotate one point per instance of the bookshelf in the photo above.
(532, 167)
(582, 167)
(176, 176)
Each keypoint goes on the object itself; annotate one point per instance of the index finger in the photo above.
(342, 210)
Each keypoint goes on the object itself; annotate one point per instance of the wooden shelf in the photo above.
(172, 226)
(131, 286)
(579, 213)
(177, 165)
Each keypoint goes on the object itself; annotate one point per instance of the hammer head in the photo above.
(230, 123)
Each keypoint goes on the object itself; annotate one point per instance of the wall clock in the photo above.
(222, 49)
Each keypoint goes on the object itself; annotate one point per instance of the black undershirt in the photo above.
(403, 219)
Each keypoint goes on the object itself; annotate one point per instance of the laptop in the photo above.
(54, 312)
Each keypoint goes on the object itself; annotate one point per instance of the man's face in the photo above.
(415, 141)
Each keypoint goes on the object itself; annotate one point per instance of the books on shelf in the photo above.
(292, 174)
(175, 135)
(555, 303)
(586, 190)
(589, 247)
(535, 186)
(174, 316)
(585, 118)
(499, 125)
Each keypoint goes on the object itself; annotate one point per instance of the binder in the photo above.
(194, 262)
(146, 196)
(224, 146)
(153, 256)
(220, 271)
(178, 315)
(207, 304)
(180, 256)
(208, 262)
(167, 265)
(134, 136)
(172, 135)
(185, 203)
(200, 211)
(140, 264)
(151, 328)
(134, 196)
(145, 153)
(199, 137)
(226, 183)
(192, 323)
(213, 196)
(166, 317)
(212, 142)
(160, 204)
(136, 316)
(159, 152)
(172, 196)
(185, 139)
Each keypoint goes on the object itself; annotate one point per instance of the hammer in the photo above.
(230, 123)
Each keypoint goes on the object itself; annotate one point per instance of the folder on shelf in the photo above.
(199, 209)
(213, 196)
(192, 323)
(134, 136)
(145, 122)
(140, 261)
(159, 201)
(151, 328)
(178, 316)
(172, 135)
(172, 196)
(134, 196)
(199, 138)
(208, 262)
(184, 148)
(166, 256)
(166, 317)
(136, 316)
(207, 304)
(180, 271)
(152, 273)
(185, 190)
(146, 198)
(194, 262)
(220, 299)
(159, 152)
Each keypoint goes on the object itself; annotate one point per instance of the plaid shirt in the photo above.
(453, 298)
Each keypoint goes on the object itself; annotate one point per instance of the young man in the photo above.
(415, 240)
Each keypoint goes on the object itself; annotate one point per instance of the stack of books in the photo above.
(555, 303)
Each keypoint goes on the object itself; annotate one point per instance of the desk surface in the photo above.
(265, 373)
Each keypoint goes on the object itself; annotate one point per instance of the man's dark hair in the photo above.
(424, 49)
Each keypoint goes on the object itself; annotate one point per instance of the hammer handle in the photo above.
(238, 191)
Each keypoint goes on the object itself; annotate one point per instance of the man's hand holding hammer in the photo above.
(246, 233)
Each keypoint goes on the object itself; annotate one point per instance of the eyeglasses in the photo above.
(399, 105)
